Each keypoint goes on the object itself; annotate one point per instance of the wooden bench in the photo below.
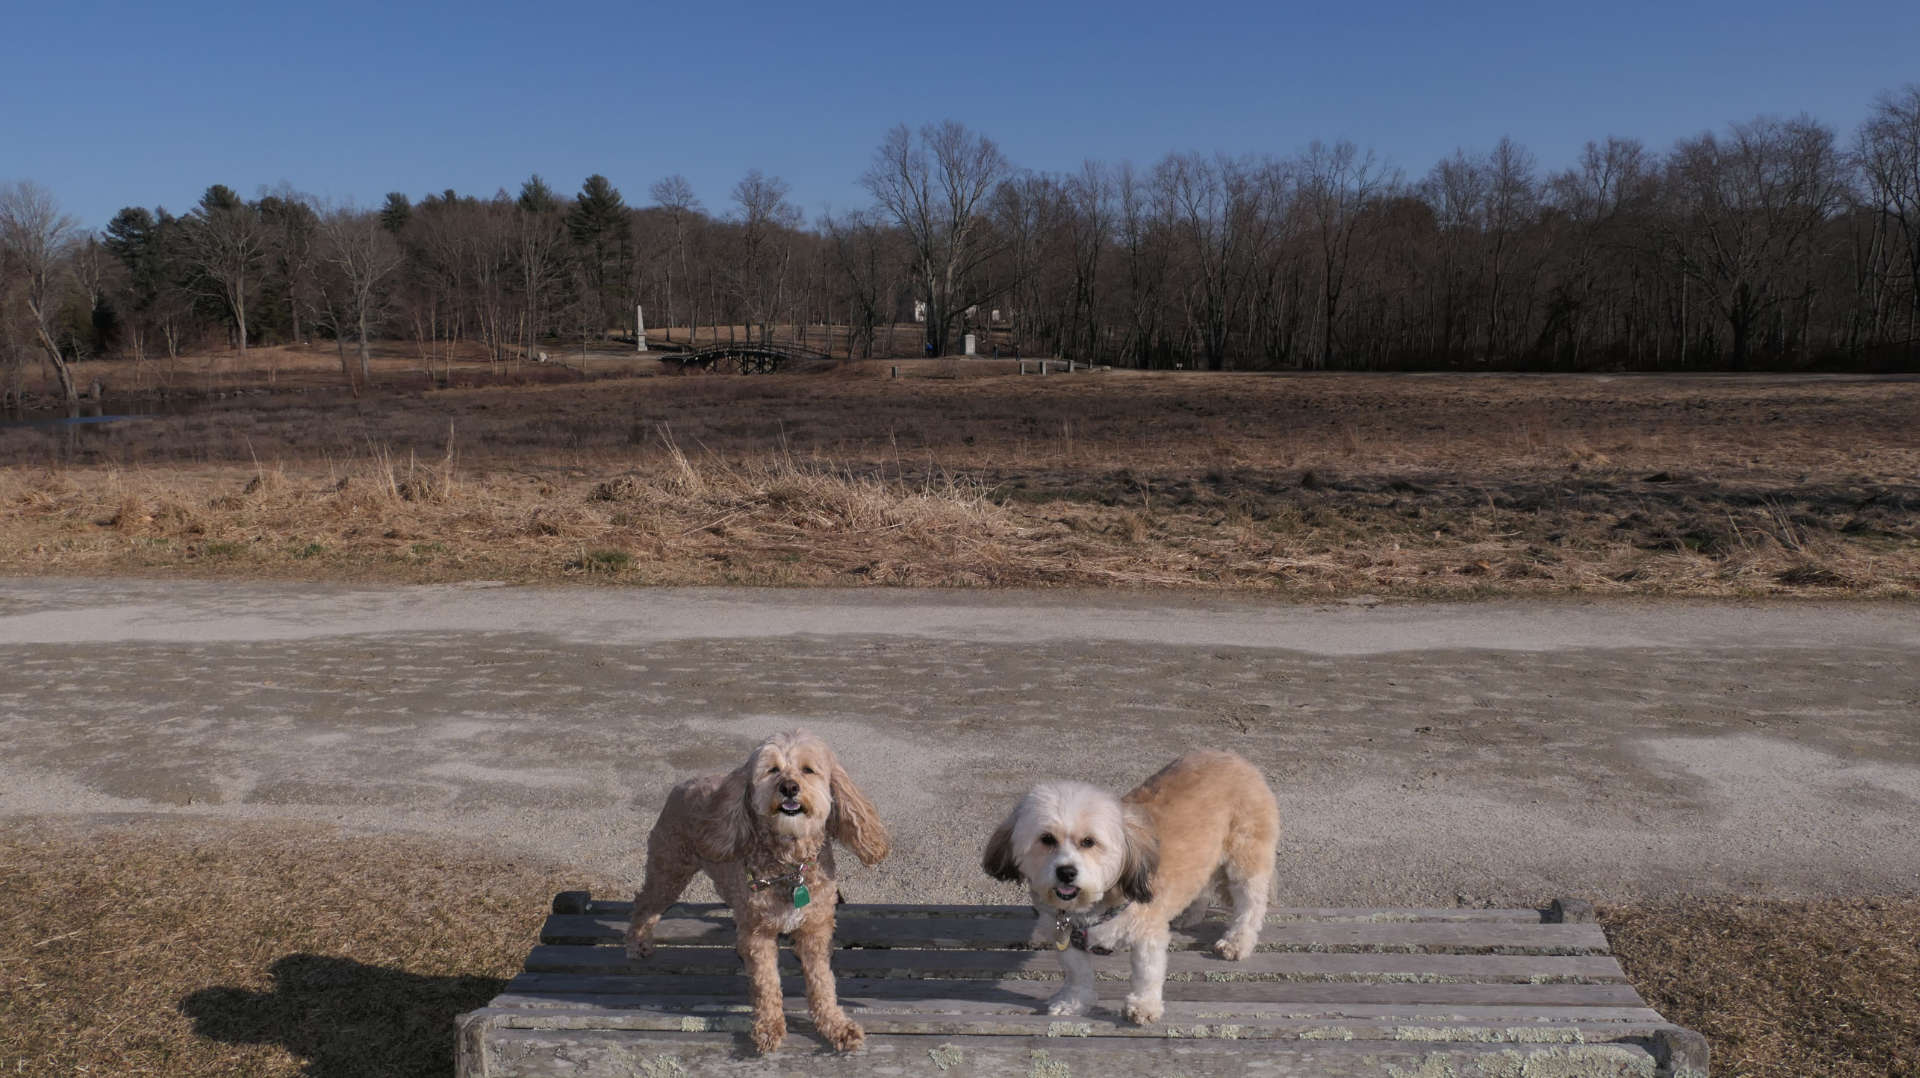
(953, 991)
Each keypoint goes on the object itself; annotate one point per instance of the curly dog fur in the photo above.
(773, 813)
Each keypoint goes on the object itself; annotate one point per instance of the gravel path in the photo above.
(1503, 752)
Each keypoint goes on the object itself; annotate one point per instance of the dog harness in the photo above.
(1071, 931)
(797, 879)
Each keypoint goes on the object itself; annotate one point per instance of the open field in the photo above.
(289, 823)
(957, 474)
(264, 951)
(243, 947)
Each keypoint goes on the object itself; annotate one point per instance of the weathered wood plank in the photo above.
(738, 1019)
(1178, 1012)
(1275, 915)
(991, 933)
(954, 990)
(1044, 965)
(1455, 993)
(489, 1052)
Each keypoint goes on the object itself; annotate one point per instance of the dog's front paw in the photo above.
(1069, 1001)
(639, 942)
(768, 1032)
(1234, 948)
(843, 1033)
(1142, 1011)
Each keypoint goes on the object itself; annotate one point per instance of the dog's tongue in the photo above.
(790, 806)
(1066, 892)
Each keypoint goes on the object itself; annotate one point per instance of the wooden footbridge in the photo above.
(745, 358)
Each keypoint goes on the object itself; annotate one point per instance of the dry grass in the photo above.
(280, 950)
(1310, 486)
(178, 949)
(669, 519)
(1783, 989)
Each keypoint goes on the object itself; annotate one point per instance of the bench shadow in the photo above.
(346, 1019)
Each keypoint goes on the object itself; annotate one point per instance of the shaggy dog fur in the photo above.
(1109, 872)
(755, 832)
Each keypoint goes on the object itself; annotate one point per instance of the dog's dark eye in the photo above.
(1086, 843)
(807, 770)
(773, 771)
(1048, 840)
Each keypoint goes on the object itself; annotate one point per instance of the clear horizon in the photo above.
(115, 106)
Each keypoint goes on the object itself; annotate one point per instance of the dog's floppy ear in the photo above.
(998, 859)
(1141, 857)
(854, 821)
(722, 833)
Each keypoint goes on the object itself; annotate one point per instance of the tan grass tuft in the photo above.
(266, 484)
(621, 488)
(1810, 574)
(683, 477)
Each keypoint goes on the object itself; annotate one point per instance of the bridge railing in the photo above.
(775, 354)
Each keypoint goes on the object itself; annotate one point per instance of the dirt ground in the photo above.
(264, 801)
(1441, 486)
(277, 720)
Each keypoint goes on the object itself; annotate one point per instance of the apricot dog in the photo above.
(762, 832)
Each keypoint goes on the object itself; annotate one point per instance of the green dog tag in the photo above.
(801, 896)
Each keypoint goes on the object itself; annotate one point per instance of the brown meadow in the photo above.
(258, 949)
(270, 951)
(961, 473)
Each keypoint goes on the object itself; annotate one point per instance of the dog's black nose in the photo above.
(1066, 873)
(789, 788)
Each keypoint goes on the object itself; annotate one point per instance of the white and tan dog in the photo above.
(1109, 872)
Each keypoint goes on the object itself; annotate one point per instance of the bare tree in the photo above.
(1456, 190)
(936, 190)
(1214, 210)
(1511, 204)
(96, 273)
(1335, 183)
(361, 254)
(765, 219)
(867, 259)
(539, 233)
(1147, 266)
(1026, 216)
(35, 238)
(675, 195)
(289, 219)
(1602, 198)
(1089, 223)
(1746, 207)
(1888, 150)
(229, 242)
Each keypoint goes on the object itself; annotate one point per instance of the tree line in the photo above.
(1775, 242)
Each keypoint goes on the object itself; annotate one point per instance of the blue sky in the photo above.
(109, 105)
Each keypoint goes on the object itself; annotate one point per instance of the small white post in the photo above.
(640, 329)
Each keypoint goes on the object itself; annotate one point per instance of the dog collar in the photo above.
(796, 879)
(1071, 931)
